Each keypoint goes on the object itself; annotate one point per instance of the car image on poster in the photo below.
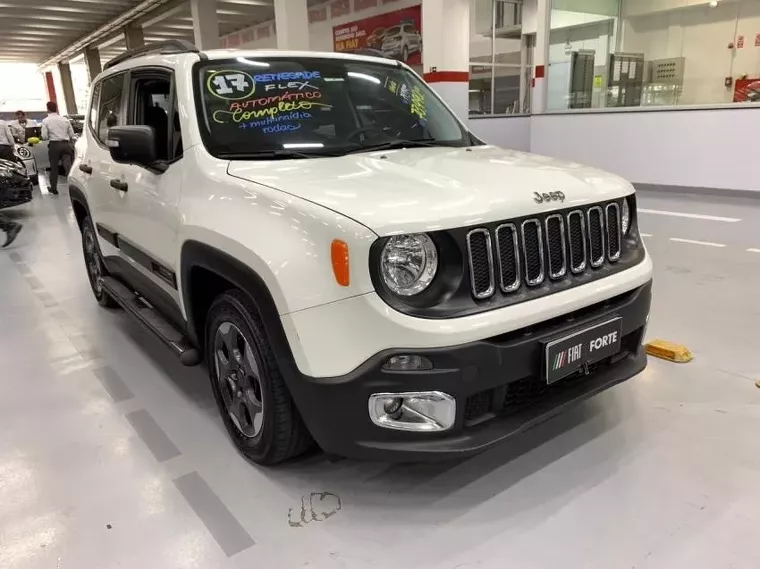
(396, 34)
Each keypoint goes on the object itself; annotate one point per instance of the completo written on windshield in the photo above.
(271, 102)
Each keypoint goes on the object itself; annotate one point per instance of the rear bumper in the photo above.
(497, 384)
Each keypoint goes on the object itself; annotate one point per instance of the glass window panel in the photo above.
(506, 88)
(480, 90)
(605, 53)
(481, 31)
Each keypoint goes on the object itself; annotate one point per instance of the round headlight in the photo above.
(408, 263)
(625, 217)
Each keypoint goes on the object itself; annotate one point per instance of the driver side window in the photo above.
(153, 104)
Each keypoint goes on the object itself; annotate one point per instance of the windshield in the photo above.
(393, 31)
(302, 107)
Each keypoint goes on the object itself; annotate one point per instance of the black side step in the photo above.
(153, 321)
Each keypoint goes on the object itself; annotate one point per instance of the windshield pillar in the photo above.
(445, 59)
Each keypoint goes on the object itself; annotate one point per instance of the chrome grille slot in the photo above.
(596, 241)
(533, 252)
(614, 236)
(576, 240)
(508, 252)
(555, 246)
(480, 254)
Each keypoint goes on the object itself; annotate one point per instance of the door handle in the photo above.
(85, 168)
(119, 185)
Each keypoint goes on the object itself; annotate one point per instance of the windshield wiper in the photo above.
(279, 154)
(396, 144)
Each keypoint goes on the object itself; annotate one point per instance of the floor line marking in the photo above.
(645, 234)
(690, 215)
(693, 242)
(751, 250)
(154, 437)
(222, 524)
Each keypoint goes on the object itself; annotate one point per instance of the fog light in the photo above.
(427, 411)
(392, 407)
(408, 363)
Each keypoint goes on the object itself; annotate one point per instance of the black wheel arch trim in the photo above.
(195, 254)
(76, 195)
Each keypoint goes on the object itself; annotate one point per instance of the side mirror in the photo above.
(132, 144)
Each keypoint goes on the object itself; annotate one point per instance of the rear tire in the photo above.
(93, 261)
(256, 407)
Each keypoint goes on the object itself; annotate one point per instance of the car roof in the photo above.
(173, 59)
(280, 53)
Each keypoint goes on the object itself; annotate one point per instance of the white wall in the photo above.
(714, 148)
(506, 132)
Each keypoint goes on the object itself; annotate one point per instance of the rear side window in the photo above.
(109, 105)
(93, 120)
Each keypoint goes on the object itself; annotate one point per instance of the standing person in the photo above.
(7, 144)
(19, 126)
(59, 132)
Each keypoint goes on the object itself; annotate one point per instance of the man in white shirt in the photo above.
(59, 132)
(19, 126)
(7, 144)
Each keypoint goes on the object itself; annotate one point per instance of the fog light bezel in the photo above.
(401, 363)
(425, 424)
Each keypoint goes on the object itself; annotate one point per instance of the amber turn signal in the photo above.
(339, 256)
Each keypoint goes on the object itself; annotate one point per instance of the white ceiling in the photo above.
(35, 30)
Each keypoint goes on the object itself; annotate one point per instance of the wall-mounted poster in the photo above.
(397, 34)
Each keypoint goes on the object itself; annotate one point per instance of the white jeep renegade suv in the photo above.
(356, 268)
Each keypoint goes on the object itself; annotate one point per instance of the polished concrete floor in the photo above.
(112, 454)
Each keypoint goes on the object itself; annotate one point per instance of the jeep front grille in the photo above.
(551, 247)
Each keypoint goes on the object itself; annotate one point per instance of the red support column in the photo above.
(50, 86)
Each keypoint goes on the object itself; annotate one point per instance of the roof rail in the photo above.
(163, 47)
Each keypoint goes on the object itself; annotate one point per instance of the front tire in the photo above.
(93, 261)
(256, 407)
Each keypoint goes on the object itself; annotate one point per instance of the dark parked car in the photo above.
(15, 185)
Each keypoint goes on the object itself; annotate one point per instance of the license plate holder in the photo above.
(574, 351)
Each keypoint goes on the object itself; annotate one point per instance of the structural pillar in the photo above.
(68, 88)
(92, 61)
(133, 36)
(205, 24)
(446, 51)
(291, 18)
(50, 86)
(541, 57)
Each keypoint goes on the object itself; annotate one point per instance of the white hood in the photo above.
(425, 189)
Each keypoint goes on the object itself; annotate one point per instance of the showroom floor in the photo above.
(112, 454)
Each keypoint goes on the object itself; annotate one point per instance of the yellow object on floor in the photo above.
(669, 351)
(757, 383)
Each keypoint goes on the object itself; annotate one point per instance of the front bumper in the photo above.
(497, 383)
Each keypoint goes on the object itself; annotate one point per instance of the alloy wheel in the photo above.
(239, 379)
